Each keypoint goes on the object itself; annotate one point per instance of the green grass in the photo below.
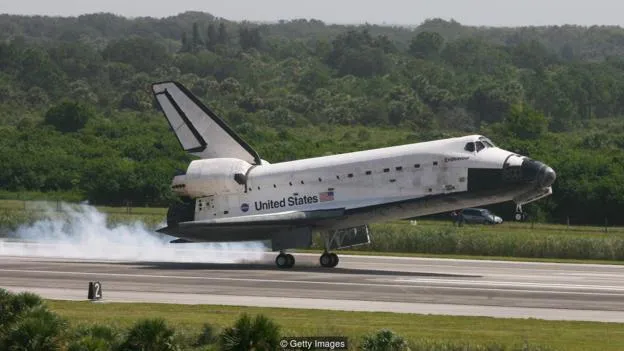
(38, 206)
(561, 335)
(511, 240)
(21, 196)
(14, 213)
(522, 227)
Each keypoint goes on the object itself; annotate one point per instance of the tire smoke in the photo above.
(81, 232)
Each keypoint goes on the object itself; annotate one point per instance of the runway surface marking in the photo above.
(359, 283)
(481, 284)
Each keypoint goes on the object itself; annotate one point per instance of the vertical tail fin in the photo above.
(199, 130)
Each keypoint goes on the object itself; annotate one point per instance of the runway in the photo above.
(359, 283)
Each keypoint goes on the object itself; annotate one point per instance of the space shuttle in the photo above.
(230, 194)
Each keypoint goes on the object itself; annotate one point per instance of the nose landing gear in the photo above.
(519, 215)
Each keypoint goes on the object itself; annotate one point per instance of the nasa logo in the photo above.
(245, 207)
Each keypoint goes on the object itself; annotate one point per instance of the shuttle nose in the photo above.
(548, 177)
(538, 172)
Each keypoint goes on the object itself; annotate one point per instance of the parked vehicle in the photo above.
(478, 215)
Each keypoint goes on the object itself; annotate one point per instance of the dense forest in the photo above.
(77, 118)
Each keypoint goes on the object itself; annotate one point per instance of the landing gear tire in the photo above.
(291, 260)
(285, 260)
(329, 260)
(325, 260)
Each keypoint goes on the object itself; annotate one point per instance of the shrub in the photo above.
(150, 335)
(69, 116)
(37, 330)
(208, 335)
(259, 334)
(94, 338)
(15, 306)
(384, 340)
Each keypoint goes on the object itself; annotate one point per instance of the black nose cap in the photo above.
(548, 176)
(538, 172)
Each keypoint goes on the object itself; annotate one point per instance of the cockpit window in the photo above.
(480, 146)
(487, 142)
(482, 143)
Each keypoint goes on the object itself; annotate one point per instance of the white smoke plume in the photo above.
(81, 232)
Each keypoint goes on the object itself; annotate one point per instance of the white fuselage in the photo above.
(352, 180)
(231, 194)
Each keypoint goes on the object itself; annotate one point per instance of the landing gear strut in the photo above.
(329, 259)
(284, 260)
(519, 215)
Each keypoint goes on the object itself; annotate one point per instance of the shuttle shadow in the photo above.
(303, 268)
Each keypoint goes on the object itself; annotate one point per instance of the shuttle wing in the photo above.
(198, 129)
(250, 226)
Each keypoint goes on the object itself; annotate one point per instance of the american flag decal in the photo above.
(326, 196)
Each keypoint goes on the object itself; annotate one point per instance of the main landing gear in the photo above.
(329, 259)
(331, 240)
(284, 260)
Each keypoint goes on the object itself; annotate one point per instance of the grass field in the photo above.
(508, 240)
(39, 206)
(560, 335)
(14, 213)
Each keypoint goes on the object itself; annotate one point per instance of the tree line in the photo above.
(77, 116)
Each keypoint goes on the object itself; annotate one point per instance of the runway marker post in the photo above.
(95, 291)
